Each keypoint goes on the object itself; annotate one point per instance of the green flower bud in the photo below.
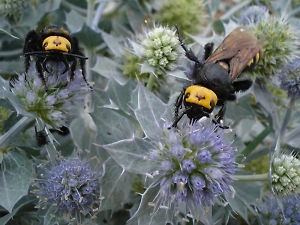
(285, 175)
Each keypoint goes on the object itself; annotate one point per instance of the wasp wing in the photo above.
(239, 48)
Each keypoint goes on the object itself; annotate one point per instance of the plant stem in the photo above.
(151, 81)
(255, 177)
(18, 127)
(98, 14)
(89, 53)
(284, 124)
(90, 12)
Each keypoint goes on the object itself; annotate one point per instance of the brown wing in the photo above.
(239, 48)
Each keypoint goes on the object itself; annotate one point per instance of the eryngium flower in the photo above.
(194, 167)
(286, 175)
(290, 78)
(272, 214)
(132, 69)
(159, 49)
(189, 15)
(253, 14)
(70, 185)
(13, 8)
(280, 44)
(63, 99)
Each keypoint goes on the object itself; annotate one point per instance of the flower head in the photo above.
(63, 98)
(280, 44)
(69, 185)
(290, 78)
(272, 214)
(253, 15)
(159, 49)
(132, 69)
(286, 175)
(189, 15)
(13, 7)
(194, 167)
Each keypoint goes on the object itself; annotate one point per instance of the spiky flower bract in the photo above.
(189, 15)
(132, 69)
(280, 44)
(270, 213)
(286, 175)
(159, 49)
(63, 98)
(4, 114)
(290, 78)
(69, 185)
(253, 15)
(194, 168)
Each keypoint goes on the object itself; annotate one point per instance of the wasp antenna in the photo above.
(75, 55)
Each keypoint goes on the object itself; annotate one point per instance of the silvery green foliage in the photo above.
(109, 157)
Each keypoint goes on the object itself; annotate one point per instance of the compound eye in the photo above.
(46, 44)
(187, 95)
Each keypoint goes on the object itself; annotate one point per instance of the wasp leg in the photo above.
(82, 65)
(220, 116)
(208, 50)
(29, 46)
(82, 60)
(242, 85)
(188, 52)
(66, 64)
(72, 69)
(219, 125)
(178, 118)
(178, 103)
(39, 69)
(45, 65)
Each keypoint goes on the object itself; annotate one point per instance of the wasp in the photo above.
(214, 80)
(56, 44)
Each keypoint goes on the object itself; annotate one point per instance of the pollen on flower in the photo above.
(194, 168)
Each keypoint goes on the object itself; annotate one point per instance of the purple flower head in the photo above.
(70, 185)
(198, 169)
(253, 15)
(290, 78)
(270, 212)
